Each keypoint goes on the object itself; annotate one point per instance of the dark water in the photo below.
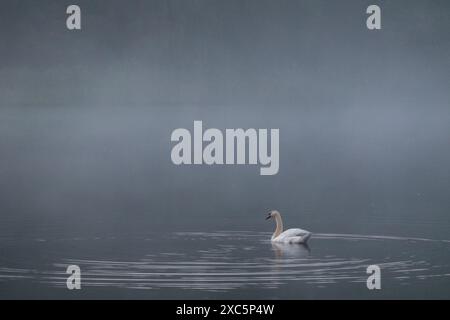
(226, 264)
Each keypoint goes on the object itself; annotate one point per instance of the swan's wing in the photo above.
(291, 233)
(294, 232)
(298, 239)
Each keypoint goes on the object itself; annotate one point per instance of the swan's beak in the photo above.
(268, 217)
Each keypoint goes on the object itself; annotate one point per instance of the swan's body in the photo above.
(289, 236)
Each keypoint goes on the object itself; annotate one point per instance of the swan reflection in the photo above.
(286, 250)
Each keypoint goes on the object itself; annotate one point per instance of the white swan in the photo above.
(289, 236)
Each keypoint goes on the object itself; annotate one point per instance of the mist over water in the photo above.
(85, 169)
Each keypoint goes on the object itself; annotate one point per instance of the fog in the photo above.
(86, 116)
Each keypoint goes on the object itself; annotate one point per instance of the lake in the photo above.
(225, 265)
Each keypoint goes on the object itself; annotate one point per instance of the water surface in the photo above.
(227, 264)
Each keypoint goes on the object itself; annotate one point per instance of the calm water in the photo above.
(225, 264)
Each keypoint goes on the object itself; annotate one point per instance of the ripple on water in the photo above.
(235, 260)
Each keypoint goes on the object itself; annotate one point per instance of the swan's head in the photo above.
(271, 214)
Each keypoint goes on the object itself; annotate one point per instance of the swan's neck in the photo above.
(279, 228)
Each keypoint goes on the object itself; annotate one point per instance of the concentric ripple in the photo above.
(226, 261)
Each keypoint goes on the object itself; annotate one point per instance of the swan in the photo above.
(289, 236)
